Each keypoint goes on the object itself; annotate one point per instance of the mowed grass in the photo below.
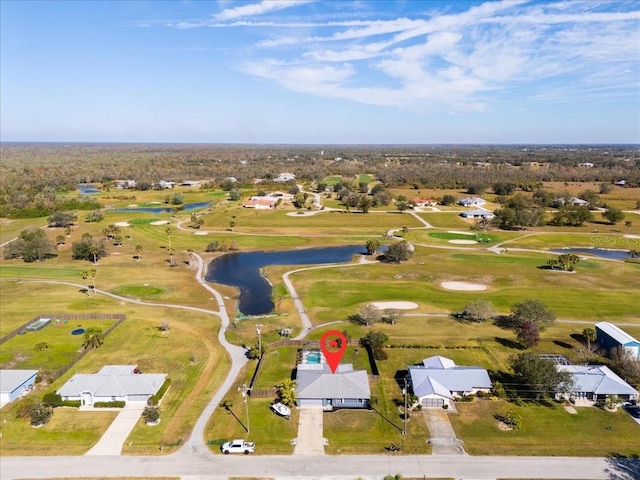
(547, 430)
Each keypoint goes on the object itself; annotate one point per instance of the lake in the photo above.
(185, 207)
(598, 252)
(242, 270)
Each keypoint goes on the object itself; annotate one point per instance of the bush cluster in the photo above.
(113, 404)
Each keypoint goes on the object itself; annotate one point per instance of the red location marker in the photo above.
(333, 345)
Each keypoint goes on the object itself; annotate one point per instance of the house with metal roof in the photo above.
(477, 214)
(609, 337)
(15, 383)
(595, 382)
(112, 383)
(438, 381)
(346, 388)
(472, 202)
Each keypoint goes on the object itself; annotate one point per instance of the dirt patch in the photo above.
(396, 305)
(463, 286)
(504, 427)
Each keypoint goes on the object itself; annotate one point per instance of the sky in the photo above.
(320, 72)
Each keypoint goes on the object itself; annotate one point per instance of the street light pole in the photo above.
(245, 396)
(404, 390)
(259, 332)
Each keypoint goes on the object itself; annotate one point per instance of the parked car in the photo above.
(238, 446)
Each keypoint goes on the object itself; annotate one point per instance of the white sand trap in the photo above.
(461, 233)
(133, 205)
(160, 222)
(396, 305)
(154, 203)
(463, 242)
(631, 236)
(201, 233)
(463, 286)
(122, 224)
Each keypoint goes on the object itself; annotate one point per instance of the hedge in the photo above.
(155, 399)
(114, 404)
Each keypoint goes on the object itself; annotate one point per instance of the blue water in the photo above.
(312, 357)
(88, 189)
(598, 252)
(242, 270)
(185, 207)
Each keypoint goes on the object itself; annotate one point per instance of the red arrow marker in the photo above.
(333, 345)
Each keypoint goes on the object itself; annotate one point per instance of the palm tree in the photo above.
(93, 273)
(628, 224)
(85, 277)
(287, 392)
(169, 231)
(138, 252)
(589, 335)
(94, 250)
(92, 338)
(60, 239)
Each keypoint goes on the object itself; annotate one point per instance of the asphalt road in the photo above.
(316, 467)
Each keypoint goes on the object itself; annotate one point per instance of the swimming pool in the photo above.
(312, 356)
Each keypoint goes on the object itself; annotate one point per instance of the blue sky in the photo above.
(339, 71)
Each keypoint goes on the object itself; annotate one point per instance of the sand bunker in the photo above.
(463, 286)
(160, 222)
(461, 233)
(463, 242)
(396, 305)
(201, 233)
(122, 224)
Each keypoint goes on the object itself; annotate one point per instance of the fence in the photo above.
(68, 316)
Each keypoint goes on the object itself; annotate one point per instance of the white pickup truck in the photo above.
(238, 446)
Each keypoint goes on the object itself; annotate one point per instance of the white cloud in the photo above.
(253, 9)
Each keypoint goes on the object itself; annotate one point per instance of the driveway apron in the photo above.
(443, 438)
(310, 427)
(113, 439)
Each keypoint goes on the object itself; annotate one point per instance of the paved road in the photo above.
(308, 467)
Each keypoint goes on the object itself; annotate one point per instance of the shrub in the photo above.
(40, 414)
(155, 399)
(151, 415)
(112, 404)
(52, 399)
(25, 406)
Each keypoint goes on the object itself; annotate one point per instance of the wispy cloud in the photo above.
(439, 60)
(259, 8)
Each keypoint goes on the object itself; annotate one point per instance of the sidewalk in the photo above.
(113, 439)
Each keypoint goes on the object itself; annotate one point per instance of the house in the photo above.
(260, 203)
(578, 202)
(586, 164)
(111, 383)
(123, 184)
(190, 183)
(284, 177)
(15, 383)
(281, 195)
(439, 380)
(162, 184)
(472, 202)
(346, 388)
(609, 337)
(423, 202)
(595, 382)
(477, 214)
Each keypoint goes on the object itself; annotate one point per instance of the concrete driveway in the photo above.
(113, 439)
(443, 439)
(310, 428)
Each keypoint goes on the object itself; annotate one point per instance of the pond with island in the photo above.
(243, 270)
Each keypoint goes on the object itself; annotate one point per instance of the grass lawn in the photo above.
(546, 430)
(70, 432)
(445, 220)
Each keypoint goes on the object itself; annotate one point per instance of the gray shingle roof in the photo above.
(321, 383)
(117, 384)
(442, 376)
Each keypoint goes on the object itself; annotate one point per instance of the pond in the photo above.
(598, 252)
(242, 270)
(185, 207)
(88, 189)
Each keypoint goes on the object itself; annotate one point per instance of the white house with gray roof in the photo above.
(112, 383)
(439, 380)
(346, 388)
(15, 383)
(595, 382)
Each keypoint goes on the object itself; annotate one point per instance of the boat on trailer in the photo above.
(281, 409)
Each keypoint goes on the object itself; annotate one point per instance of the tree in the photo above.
(504, 188)
(613, 214)
(85, 277)
(589, 334)
(287, 392)
(95, 216)
(197, 221)
(628, 225)
(565, 262)
(625, 365)
(392, 315)
(364, 203)
(93, 338)
(402, 205)
(372, 246)
(151, 415)
(61, 219)
(88, 248)
(513, 419)
(32, 245)
(528, 333)
(398, 252)
(533, 310)
(572, 215)
(369, 314)
(376, 342)
(60, 239)
(448, 200)
(139, 249)
(235, 195)
(540, 376)
(40, 414)
(477, 311)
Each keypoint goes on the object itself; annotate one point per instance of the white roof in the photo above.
(117, 370)
(616, 333)
(113, 381)
(438, 362)
(597, 379)
(438, 373)
(12, 379)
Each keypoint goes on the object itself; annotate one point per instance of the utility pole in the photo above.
(259, 332)
(404, 416)
(245, 397)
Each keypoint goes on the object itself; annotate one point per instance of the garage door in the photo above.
(432, 402)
